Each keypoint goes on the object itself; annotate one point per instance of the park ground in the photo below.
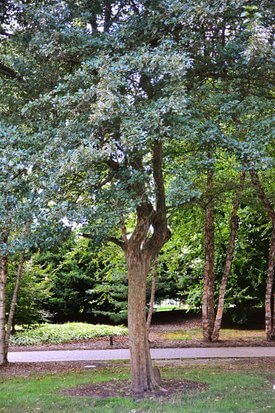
(192, 386)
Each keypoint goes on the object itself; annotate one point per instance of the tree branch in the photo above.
(8, 72)
(159, 220)
(262, 195)
(116, 241)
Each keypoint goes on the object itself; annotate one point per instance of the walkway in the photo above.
(124, 354)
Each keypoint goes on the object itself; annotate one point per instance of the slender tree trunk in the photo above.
(229, 258)
(14, 302)
(3, 279)
(208, 314)
(142, 376)
(153, 292)
(269, 306)
(269, 209)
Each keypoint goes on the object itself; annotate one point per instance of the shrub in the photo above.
(64, 333)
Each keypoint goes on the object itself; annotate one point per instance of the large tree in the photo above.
(101, 89)
(104, 93)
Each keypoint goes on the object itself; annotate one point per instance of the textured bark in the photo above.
(142, 375)
(269, 296)
(228, 261)
(153, 291)
(269, 308)
(140, 249)
(14, 302)
(3, 279)
(208, 314)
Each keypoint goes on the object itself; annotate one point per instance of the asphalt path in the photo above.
(124, 354)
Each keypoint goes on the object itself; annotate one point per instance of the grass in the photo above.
(63, 333)
(168, 308)
(226, 334)
(236, 390)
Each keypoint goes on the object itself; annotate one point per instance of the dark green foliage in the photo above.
(83, 91)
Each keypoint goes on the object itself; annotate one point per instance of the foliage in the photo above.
(63, 333)
(34, 292)
(86, 90)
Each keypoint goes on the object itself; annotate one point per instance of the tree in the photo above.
(15, 203)
(269, 296)
(108, 135)
(103, 89)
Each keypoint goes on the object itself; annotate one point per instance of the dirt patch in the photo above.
(121, 388)
(28, 369)
(33, 369)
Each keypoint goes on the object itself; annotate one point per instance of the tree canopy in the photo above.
(127, 121)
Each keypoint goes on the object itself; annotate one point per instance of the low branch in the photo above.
(8, 72)
(116, 241)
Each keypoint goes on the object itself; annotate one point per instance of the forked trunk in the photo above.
(269, 305)
(142, 375)
(3, 279)
(208, 314)
(14, 302)
(153, 292)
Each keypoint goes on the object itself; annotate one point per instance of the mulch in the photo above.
(171, 388)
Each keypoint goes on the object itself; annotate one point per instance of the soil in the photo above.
(121, 388)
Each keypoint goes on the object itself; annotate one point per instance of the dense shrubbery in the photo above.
(63, 333)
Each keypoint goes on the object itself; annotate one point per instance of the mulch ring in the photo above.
(171, 389)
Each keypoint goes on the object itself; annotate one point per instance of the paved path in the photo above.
(124, 354)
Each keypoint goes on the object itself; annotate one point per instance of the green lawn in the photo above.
(231, 389)
(226, 334)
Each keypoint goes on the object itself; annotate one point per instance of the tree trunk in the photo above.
(153, 291)
(3, 279)
(269, 209)
(228, 261)
(14, 301)
(208, 314)
(269, 307)
(142, 376)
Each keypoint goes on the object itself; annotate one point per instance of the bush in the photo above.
(64, 333)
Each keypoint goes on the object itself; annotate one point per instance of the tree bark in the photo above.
(208, 314)
(152, 297)
(14, 302)
(142, 376)
(229, 258)
(3, 279)
(146, 240)
(269, 308)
